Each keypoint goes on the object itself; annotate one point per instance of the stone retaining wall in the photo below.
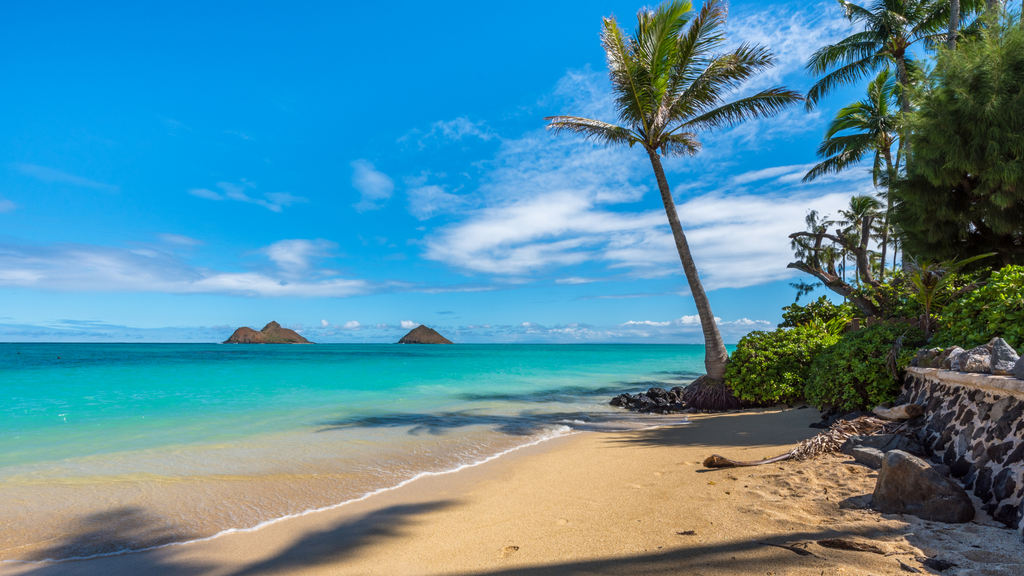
(974, 425)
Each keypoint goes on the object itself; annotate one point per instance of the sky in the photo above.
(171, 172)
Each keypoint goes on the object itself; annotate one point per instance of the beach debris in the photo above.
(794, 549)
(826, 442)
(901, 412)
(852, 545)
(687, 533)
(909, 485)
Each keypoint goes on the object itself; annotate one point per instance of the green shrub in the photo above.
(854, 373)
(995, 309)
(821, 309)
(770, 367)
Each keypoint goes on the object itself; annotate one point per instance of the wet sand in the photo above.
(635, 502)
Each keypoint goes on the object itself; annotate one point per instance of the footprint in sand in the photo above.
(562, 522)
(508, 551)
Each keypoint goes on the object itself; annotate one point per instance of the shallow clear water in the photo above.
(115, 447)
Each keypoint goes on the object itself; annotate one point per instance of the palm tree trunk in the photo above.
(715, 354)
(888, 209)
(954, 23)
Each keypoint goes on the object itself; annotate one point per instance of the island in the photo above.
(271, 334)
(423, 335)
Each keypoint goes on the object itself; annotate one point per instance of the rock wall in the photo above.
(974, 425)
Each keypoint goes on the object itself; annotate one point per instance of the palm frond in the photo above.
(724, 74)
(765, 103)
(595, 130)
(626, 76)
(835, 164)
(845, 75)
(680, 144)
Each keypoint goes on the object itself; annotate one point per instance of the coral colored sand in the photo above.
(634, 502)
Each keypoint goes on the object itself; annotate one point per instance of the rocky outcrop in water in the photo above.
(656, 400)
(271, 334)
(423, 335)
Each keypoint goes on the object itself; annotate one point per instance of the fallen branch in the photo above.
(826, 442)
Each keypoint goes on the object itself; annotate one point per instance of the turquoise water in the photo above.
(198, 439)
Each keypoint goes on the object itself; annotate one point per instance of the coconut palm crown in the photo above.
(671, 80)
(889, 28)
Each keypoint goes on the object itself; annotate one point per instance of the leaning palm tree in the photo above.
(862, 210)
(670, 81)
(889, 29)
(869, 126)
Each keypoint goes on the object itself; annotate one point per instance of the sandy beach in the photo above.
(634, 502)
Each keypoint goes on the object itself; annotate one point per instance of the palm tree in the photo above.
(954, 24)
(890, 29)
(867, 126)
(670, 81)
(859, 215)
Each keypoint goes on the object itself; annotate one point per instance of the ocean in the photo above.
(108, 448)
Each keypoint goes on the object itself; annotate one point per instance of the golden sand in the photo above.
(634, 502)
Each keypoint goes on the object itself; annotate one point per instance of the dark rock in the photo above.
(1004, 357)
(423, 335)
(978, 360)
(871, 457)
(952, 361)
(909, 485)
(936, 564)
(882, 442)
(271, 334)
(1018, 369)
(940, 360)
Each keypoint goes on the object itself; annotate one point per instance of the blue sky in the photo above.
(170, 173)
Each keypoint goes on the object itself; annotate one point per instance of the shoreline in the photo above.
(595, 503)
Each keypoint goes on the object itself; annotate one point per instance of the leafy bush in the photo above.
(995, 309)
(769, 367)
(856, 372)
(821, 309)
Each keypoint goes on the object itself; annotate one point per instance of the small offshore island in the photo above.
(424, 335)
(271, 334)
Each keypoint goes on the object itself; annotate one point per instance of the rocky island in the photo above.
(423, 335)
(271, 334)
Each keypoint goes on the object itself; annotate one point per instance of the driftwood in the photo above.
(826, 442)
(902, 412)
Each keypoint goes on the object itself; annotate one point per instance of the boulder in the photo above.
(952, 359)
(1004, 357)
(909, 485)
(271, 334)
(1018, 369)
(870, 457)
(978, 360)
(423, 335)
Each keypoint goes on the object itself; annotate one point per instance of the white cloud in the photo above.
(451, 130)
(77, 267)
(294, 256)
(782, 172)
(408, 324)
(180, 240)
(374, 187)
(576, 280)
(274, 201)
(351, 325)
(6, 205)
(52, 176)
(425, 202)
(324, 323)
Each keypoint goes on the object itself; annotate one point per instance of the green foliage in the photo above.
(894, 297)
(821, 309)
(856, 373)
(964, 193)
(995, 309)
(769, 367)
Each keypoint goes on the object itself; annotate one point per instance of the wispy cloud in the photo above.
(180, 240)
(78, 267)
(425, 202)
(408, 324)
(7, 206)
(450, 131)
(273, 201)
(374, 187)
(296, 257)
(52, 176)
